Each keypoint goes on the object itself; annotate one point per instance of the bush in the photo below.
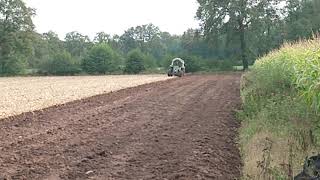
(218, 65)
(12, 65)
(100, 60)
(192, 63)
(135, 62)
(61, 64)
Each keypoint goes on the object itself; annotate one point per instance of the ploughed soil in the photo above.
(183, 128)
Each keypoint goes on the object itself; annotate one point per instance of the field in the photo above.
(24, 94)
(182, 128)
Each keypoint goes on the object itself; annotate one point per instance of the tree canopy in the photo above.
(100, 60)
(234, 17)
(15, 29)
(135, 62)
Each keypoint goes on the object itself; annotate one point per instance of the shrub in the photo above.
(100, 60)
(192, 63)
(218, 65)
(12, 65)
(61, 64)
(135, 62)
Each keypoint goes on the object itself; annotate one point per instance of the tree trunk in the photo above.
(1, 60)
(243, 47)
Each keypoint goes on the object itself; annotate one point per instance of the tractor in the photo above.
(177, 68)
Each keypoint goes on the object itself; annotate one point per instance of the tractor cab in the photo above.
(177, 68)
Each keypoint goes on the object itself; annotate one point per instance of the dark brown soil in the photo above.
(183, 128)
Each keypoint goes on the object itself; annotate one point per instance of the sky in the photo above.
(112, 16)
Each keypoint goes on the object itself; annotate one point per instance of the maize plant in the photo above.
(301, 62)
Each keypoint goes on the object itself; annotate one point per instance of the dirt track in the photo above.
(178, 129)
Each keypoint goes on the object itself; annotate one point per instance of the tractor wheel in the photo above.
(170, 72)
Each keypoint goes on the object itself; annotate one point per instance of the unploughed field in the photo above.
(24, 94)
(182, 128)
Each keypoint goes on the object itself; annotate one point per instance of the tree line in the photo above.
(246, 29)
(233, 32)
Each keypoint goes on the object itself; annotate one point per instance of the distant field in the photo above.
(24, 94)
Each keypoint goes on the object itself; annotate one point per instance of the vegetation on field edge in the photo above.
(281, 106)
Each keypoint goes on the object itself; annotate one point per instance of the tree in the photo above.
(54, 44)
(135, 62)
(172, 43)
(303, 19)
(77, 44)
(102, 37)
(15, 39)
(40, 51)
(100, 59)
(147, 38)
(44, 47)
(193, 43)
(128, 41)
(114, 42)
(234, 15)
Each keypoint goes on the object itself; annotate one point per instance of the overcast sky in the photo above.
(112, 16)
